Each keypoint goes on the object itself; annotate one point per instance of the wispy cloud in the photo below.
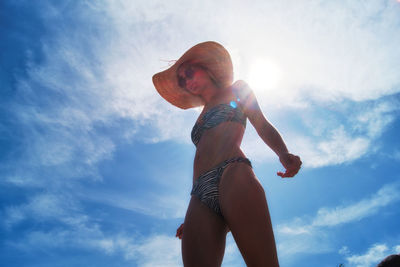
(76, 228)
(312, 72)
(374, 254)
(366, 207)
(158, 205)
(310, 235)
(90, 88)
(160, 251)
(232, 256)
(324, 49)
(154, 250)
(336, 148)
(104, 77)
(46, 207)
(343, 133)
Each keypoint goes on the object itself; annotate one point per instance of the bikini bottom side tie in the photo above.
(206, 185)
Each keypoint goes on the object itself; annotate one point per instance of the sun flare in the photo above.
(264, 75)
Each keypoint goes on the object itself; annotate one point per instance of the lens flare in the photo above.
(233, 104)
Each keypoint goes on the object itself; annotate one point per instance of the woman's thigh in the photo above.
(244, 206)
(204, 235)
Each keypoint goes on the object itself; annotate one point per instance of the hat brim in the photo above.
(210, 55)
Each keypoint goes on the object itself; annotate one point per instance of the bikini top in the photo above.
(216, 115)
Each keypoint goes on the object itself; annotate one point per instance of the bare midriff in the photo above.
(216, 145)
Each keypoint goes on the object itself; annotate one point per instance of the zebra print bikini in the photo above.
(206, 185)
(215, 116)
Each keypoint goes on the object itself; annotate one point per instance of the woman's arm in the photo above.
(267, 132)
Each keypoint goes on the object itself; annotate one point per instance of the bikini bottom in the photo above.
(206, 185)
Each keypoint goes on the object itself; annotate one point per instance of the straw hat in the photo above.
(211, 55)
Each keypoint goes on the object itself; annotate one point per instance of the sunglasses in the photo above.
(189, 74)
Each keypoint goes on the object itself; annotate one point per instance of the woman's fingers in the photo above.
(280, 174)
(179, 232)
(286, 174)
(292, 163)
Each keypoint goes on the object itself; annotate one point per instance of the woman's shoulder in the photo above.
(244, 95)
(241, 89)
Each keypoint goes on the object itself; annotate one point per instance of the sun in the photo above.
(264, 75)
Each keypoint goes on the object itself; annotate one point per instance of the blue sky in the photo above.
(96, 167)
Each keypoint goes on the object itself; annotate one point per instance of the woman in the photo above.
(226, 194)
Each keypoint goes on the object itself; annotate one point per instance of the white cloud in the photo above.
(338, 147)
(12, 216)
(73, 226)
(341, 134)
(310, 235)
(308, 240)
(46, 207)
(154, 250)
(161, 206)
(324, 59)
(295, 231)
(255, 148)
(374, 119)
(232, 256)
(327, 135)
(374, 254)
(159, 251)
(344, 250)
(104, 75)
(357, 211)
(107, 76)
(76, 229)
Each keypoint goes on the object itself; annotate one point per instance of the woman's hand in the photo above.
(179, 232)
(292, 164)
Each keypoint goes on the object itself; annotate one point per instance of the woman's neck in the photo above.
(218, 96)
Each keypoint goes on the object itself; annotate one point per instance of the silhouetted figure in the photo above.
(226, 194)
(390, 261)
